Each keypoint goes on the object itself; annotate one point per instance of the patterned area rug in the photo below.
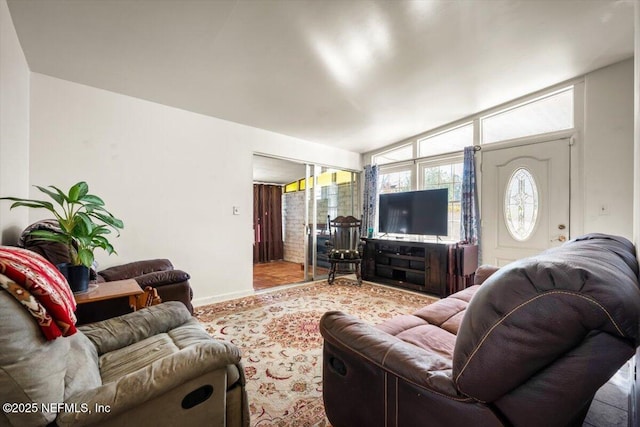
(282, 346)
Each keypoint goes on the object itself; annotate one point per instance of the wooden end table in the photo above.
(109, 290)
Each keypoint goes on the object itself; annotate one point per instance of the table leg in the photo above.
(133, 302)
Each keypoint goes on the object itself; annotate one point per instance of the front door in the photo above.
(525, 200)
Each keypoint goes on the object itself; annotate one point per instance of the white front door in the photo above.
(524, 200)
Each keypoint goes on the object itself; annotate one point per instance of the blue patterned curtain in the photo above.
(469, 231)
(370, 198)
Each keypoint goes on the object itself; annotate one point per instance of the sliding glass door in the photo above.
(330, 193)
(311, 195)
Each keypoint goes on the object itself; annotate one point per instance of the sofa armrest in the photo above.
(154, 380)
(112, 334)
(135, 269)
(160, 278)
(483, 272)
(391, 354)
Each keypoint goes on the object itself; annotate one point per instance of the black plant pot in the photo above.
(77, 276)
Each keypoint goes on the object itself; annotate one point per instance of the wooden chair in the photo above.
(345, 246)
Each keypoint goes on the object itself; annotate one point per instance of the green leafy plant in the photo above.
(82, 218)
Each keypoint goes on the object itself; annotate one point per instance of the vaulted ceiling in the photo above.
(354, 74)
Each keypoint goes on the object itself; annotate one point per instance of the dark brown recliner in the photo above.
(171, 284)
(529, 347)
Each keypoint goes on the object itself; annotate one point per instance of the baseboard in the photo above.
(198, 302)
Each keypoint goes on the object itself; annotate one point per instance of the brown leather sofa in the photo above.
(528, 347)
(171, 284)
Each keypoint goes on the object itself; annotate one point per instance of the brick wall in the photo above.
(293, 223)
(293, 217)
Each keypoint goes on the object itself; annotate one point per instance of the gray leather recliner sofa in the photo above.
(157, 366)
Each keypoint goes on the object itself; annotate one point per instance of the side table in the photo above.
(110, 290)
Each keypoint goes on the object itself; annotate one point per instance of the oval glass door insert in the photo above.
(521, 204)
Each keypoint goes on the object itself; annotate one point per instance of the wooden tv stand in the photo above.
(434, 268)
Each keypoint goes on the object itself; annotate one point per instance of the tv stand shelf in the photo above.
(420, 266)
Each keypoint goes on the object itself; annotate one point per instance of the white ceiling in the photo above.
(354, 74)
(270, 170)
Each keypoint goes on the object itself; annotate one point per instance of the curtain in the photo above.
(469, 231)
(267, 223)
(370, 198)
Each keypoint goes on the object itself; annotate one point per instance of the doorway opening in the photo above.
(290, 234)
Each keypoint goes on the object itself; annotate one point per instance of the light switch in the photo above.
(236, 210)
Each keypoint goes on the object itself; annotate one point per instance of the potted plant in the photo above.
(83, 223)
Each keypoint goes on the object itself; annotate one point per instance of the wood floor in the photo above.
(277, 273)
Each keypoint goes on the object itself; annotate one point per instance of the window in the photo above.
(440, 156)
(547, 114)
(446, 142)
(521, 204)
(446, 174)
(396, 155)
(394, 182)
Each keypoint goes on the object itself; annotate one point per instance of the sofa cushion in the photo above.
(430, 338)
(121, 362)
(441, 311)
(135, 269)
(453, 323)
(82, 366)
(434, 326)
(118, 363)
(533, 311)
(112, 334)
(401, 323)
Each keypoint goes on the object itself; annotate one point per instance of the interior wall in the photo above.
(636, 156)
(173, 176)
(14, 128)
(608, 150)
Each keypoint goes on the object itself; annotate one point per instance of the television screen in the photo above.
(414, 212)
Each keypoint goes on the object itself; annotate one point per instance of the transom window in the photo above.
(395, 155)
(449, 141)
(550, 113)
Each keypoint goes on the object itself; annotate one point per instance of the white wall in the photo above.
(608, 150)
(636, 156)
(14, 128)
(173, 176)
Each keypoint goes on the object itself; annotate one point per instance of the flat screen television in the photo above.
(414, 212)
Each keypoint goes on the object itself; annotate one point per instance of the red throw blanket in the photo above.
(40, 288)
